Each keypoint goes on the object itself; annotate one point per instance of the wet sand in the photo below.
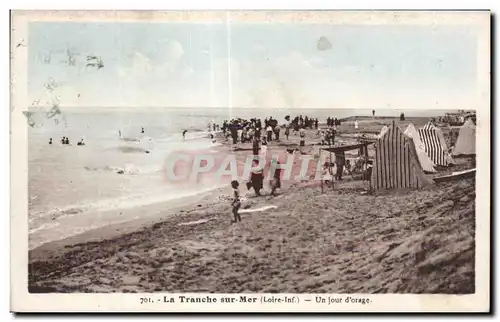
(340, 241)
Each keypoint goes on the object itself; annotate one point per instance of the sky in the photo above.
(253, 65)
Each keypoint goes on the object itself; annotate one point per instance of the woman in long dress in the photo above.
(257, 177)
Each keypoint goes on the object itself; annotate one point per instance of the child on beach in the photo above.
(236, 203)
(302, 134)
(263, 148)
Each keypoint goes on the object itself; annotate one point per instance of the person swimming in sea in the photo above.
(142, 130)
(81, 142)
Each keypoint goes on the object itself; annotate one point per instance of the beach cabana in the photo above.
(396, 162)
(340, 150)
(425, 162)
(466, 141)
(435, 145)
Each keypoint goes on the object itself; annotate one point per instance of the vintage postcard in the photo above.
(250, 161)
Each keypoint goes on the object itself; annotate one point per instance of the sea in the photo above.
(112, 170)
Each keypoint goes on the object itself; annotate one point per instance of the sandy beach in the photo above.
(342, 240)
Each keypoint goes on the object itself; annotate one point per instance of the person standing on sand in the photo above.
(277, 132)
(236, 203)
(257, 177)
(340, 162)
(263, 148)
(327, 173)
(356, 124)
(302, 134)
(269, 131)
(287, 132)
(255, 145)
(276, 180)
(373, 113)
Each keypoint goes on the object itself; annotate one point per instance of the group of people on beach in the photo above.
(65, 141)
(242, 130)
(330, 121)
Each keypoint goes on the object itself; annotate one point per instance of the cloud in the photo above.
(141, 65)
(324, 43)
(259, 48)
(283, 81)
(174, 50)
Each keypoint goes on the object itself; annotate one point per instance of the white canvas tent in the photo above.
(466, 141)
(426, 162)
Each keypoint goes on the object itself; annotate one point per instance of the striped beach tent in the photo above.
(466, 141)
(435, 144)
(396, 163)
(426, 162)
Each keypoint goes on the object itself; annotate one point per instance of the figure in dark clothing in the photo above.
(66, 141)
(316, 124)
(50, 141)
(302, 134)
(81, 142)
(236, 203)
(276, 180)
(142, 130)
(340, 161)
(255, 145)
(257, 177)
(277, 133)
(63, 140)
(234, 133)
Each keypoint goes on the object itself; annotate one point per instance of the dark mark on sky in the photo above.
(324, 43)
(94, 61)
(21, 43)
(28, 118)
(51, 84)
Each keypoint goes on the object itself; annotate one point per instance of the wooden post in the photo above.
(319, 165)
